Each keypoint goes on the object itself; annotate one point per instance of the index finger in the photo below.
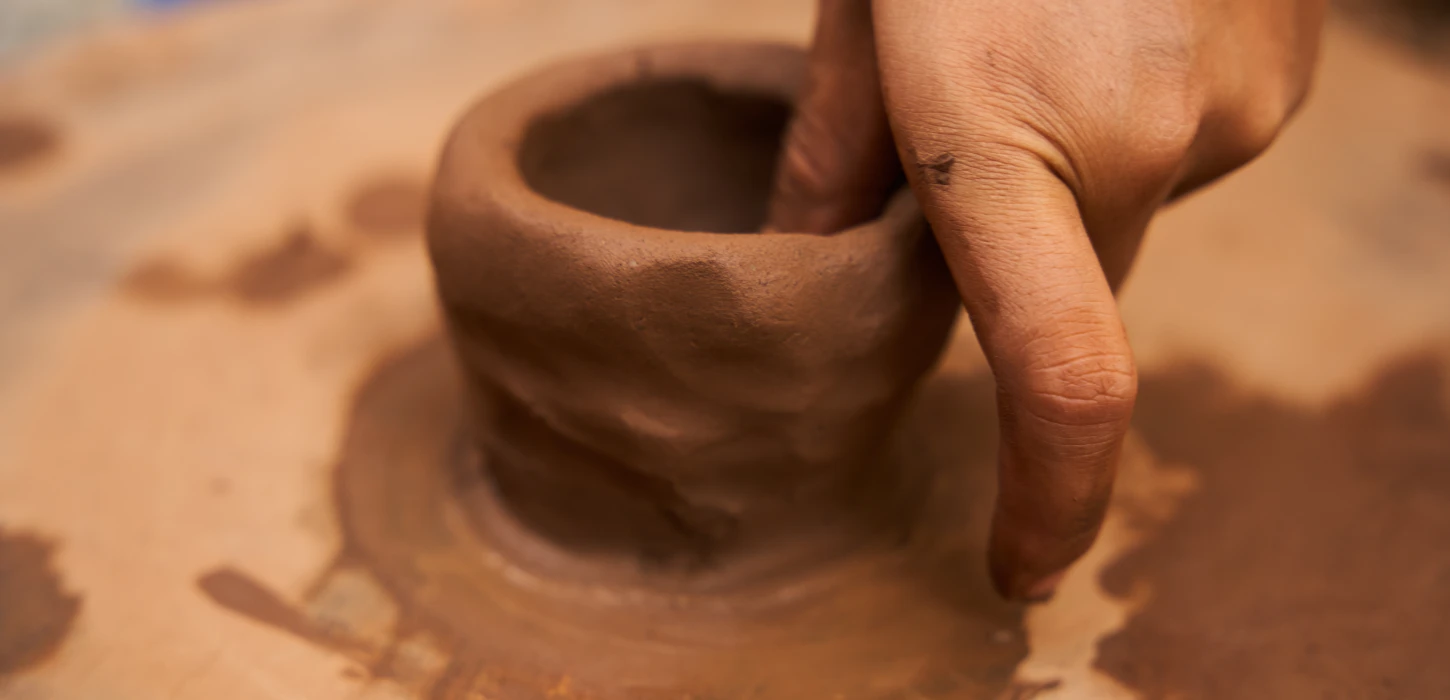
(1013, 235)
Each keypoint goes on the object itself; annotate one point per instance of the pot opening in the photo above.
(670, 154)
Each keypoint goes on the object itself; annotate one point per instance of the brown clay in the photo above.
(659, 394)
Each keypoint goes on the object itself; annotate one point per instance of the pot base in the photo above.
(908, 618)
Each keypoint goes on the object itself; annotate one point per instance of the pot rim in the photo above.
(486, 142)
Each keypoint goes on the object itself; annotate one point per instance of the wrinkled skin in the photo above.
(1040, 137)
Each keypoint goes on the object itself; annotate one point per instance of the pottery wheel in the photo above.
(405, 486)
(229, 463)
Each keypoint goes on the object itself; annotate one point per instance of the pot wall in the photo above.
(665, 399)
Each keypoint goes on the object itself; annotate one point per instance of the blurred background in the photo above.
(26, 24)
(210, 219)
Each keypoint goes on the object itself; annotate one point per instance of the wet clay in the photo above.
(36, 611)
(297, 265)
(1312, 562)
(664, 462)
(911, 618)
(660, 396)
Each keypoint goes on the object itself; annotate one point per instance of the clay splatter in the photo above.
(388, 207)
(36, 612)
(25, 140)
(296, 266)
(1312, 562)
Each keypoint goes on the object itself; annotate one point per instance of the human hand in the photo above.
(1040, 137)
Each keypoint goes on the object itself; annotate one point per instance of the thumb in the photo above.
(838, 164)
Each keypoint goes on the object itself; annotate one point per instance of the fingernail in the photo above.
(1043, 590)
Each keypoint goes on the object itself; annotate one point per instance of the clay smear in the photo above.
(1315, 537)
(25, 140)
(387, 207)
(295, 266)
(239, 593)
(1064, 633)
(36, 611)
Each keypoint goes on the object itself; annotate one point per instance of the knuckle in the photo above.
(1257, 120)
(1161, 137)
(1082, 388)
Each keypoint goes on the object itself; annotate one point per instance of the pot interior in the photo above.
(675, 154)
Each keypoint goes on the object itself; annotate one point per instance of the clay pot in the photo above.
(658, 390)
